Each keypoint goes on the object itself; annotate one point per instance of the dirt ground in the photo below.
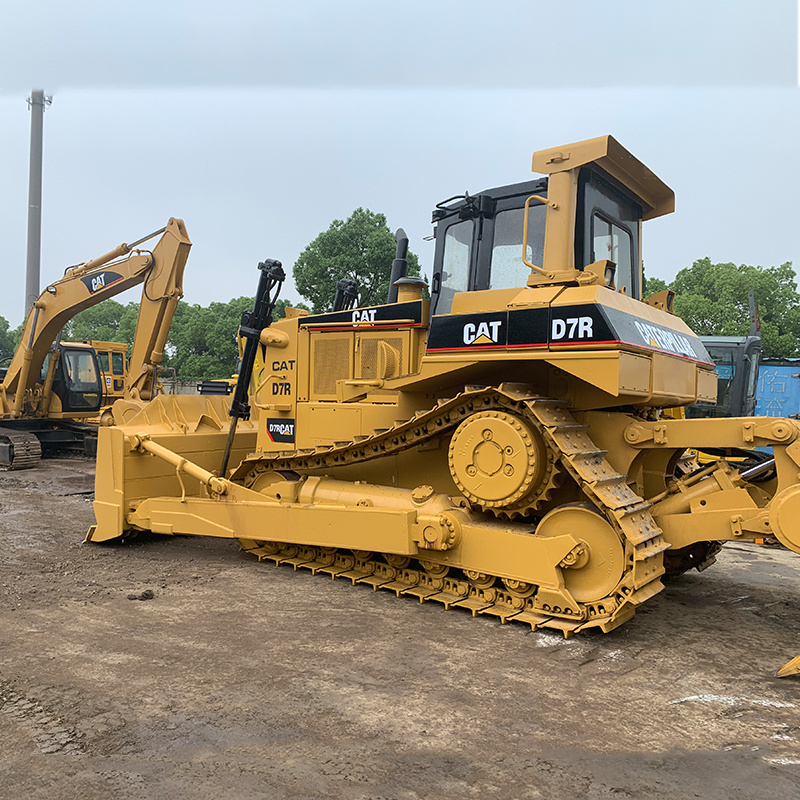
(247, 680)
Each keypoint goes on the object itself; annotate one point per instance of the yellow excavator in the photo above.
(52, 389)
(499, 448)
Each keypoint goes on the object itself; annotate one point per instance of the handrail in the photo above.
(546, 202)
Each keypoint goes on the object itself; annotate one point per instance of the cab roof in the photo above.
(610, 157)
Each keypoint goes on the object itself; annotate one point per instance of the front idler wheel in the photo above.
(592, 570)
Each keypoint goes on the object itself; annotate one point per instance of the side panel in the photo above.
(561, 325)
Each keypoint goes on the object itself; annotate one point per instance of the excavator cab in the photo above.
(77, 381)
(736, 359)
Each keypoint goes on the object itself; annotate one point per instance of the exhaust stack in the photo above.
(399, 265)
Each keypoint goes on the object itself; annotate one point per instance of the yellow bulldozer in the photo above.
(500, 447)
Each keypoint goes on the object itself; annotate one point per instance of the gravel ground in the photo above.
(226, 678)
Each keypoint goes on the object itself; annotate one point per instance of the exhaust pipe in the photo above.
(399, 265)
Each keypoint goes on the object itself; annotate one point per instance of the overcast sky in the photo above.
(260, 122)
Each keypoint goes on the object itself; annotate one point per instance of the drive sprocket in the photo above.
(501, 463)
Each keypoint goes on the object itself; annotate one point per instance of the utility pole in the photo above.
(37, 103)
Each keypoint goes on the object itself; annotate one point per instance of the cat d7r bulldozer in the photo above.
(500, 447)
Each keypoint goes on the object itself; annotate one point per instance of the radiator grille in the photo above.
(331, 363)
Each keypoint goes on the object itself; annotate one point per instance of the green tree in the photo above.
(127, 323)
(202, 341)
(101, 323)
(713, 300)
(361, 248)
(653, 286)
(7, 344)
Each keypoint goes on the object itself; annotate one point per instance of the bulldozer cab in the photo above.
(479, 239)
(587, 210)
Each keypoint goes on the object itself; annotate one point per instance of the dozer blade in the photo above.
(790, 668)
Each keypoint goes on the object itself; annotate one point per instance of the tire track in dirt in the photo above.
(48, 732)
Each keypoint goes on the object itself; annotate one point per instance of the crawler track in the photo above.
(25, 449)
(571, 452)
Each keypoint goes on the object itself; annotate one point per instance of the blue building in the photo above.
(778, 391)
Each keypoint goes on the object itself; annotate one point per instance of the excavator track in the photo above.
(570, 451)
(24, 450)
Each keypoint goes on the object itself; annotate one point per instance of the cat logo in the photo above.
(482, 333)
(100, 280)
(367, 315)
(281, 430)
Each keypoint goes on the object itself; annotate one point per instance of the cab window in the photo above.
(456, 263)
(507, 268)
(613, 243)
(102, 359)
(117, 363)
(80, 368)
(45, 366)
(725, 360)
(607, 228)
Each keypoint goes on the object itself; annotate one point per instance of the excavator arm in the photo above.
(162, 289)
(161, 273)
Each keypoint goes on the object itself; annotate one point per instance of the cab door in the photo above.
(77, 382)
